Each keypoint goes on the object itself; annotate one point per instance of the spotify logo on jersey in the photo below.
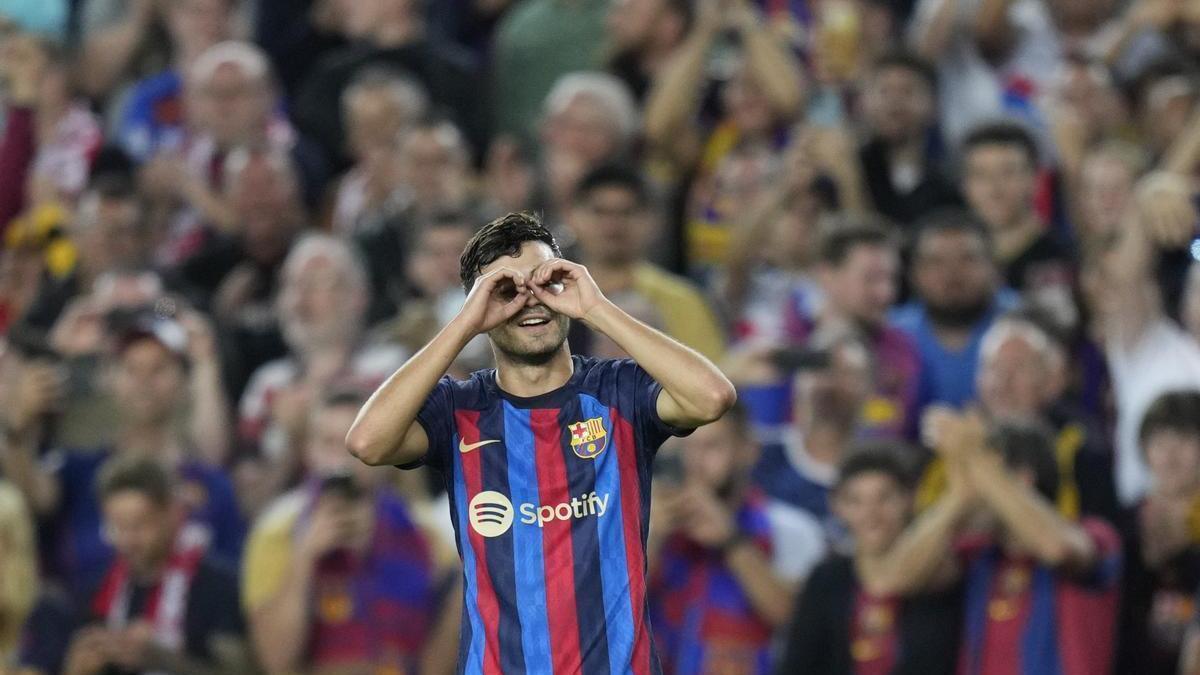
(491, 513)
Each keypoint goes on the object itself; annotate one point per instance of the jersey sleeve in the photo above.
(436, 417)
(652, 430)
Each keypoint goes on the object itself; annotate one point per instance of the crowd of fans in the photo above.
(946, 249)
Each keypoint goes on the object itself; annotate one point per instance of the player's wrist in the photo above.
(599, 317)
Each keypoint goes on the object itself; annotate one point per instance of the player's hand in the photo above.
(495, 298)
(567, 288)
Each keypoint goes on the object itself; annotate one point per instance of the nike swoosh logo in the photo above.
(463, 447)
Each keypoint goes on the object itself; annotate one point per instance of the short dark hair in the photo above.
(1002, 133)
(1028, 445)
(1177, 411)
(503, 236)
(141, 475)
(614, 176)
(886, 457)
(954, 220)
(905, 59)
(843, 234)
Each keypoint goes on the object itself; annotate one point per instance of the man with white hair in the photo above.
(321, 304)
(232, 103)
(588, 119)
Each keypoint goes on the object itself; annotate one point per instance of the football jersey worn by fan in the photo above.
(550, 499)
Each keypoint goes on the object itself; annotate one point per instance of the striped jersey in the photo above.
(550, 500)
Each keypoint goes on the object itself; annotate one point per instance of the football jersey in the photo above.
(550, 500)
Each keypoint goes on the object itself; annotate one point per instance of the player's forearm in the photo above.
(770, 596)
(699, 391)
(914, 560)
(1032, 520)
(382, 433)
(441, 652)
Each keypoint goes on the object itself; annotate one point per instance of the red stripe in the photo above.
(485, 596)
(631, 517)
(557, 554)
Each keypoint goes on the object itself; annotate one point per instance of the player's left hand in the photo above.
(567, 288)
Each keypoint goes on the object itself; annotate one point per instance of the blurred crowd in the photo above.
(946, 249)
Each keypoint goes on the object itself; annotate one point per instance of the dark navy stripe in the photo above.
(500, 549)
(585, 540)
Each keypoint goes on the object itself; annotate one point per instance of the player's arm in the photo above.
(694, 391)
(384, 433)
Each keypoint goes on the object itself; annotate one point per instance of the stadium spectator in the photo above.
(232, 108)
(151, 116)
(725, 559)
(321, 306)
(768, 283)
(841, 623)
(49, 137)
(858, 272)
(159, 369)
(588, 119)
(107, 233)
(236, 275)
(320, 582)
(1022, 377)
(613, 221)
(1148, 353)
(427, 289)
(642, 37)
(164, 604)
(390, 34)
(38, 619)
(957, 298)
(733, 154)
(377, 107)
(1161, 543)
(1041, 591)
(902, 160)
(830, 388)
(1000, 173)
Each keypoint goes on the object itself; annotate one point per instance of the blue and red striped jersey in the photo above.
(550, 499)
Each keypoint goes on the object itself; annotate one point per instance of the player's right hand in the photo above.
(495, 298)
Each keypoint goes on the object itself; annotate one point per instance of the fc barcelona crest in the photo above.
(589, 438)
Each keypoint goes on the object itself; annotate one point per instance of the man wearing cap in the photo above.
(156, 363)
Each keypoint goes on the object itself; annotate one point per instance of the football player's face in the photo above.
(536, 332)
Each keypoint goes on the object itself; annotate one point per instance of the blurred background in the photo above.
(224, 222)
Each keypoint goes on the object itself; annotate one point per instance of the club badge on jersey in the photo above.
(588, 439)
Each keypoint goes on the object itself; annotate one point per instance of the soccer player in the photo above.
(546, 458)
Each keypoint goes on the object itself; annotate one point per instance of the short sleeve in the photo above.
(654, 431)
(436, 417)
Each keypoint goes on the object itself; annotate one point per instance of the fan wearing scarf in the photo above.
(345, 574)
(164, 604)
